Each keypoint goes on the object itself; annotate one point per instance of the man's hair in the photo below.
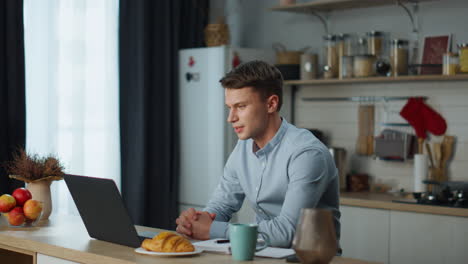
(263, 77)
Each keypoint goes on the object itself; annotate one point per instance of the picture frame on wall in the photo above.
(433, 53)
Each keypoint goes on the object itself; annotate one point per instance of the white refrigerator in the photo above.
(206, 139)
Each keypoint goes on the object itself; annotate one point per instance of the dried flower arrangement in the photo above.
(32, 168)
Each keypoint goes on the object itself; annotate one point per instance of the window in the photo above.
(72, 97)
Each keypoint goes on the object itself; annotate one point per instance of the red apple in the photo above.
(16, 216)
(32, 209)
(7, 202)
(21, 195)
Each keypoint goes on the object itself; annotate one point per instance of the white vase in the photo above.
(40, 191)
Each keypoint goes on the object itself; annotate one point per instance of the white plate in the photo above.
(141, 250)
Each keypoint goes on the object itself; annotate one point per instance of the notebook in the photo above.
(103, 211)
(225, 248)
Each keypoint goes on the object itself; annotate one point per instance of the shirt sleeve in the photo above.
(309, 175)
(226, 200)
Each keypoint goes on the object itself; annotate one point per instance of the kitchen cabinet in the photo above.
(392, 237)
(44, 259)
(424, 238)
(365, 233)
(9, 254)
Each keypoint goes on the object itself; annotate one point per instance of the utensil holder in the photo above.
(436, 174)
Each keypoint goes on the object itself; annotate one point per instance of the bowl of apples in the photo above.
(19, 209)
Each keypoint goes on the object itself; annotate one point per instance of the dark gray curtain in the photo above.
(150, 35)
(12, 92)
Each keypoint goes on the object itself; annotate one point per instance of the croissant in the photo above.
(168, 242)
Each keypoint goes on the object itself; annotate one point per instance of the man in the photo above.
(278, 167)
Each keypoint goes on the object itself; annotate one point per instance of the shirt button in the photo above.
(256, 188)
(263, 164)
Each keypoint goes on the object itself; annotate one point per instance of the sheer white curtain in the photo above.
(72, 98)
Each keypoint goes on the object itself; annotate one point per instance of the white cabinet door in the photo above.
(44, 259)
(425, 238)
(459, 242)
(365, 233)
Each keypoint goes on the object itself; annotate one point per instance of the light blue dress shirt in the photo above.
(292, 171)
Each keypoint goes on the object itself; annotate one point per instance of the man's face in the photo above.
(248, 112)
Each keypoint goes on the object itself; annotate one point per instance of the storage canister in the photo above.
(375, 43)
(331, 57)
(344, 46)
(364, 65)
(399, 57)
(361, 46)
(463, 51)
(450, 66)
(346, 66)
(308, 66)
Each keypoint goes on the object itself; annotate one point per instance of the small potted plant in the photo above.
(38, 173)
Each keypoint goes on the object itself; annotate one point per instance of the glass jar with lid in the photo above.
(375, 41)
(364, 65)
(463, 57)
(346, 67)
(399, 57)
(330, 57)
(361, 46)
(450, 64)
(344, 44)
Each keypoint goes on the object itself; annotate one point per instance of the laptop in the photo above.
(103, 212)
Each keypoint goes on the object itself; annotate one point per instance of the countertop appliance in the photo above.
(206, 139)
(449, 194)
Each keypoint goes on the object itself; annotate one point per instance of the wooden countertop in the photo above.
(384, 201)
(66, 237)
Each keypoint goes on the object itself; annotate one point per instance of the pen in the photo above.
(223, 241)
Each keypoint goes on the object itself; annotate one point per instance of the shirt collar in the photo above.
(274, 141)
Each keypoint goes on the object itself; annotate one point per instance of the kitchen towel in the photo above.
(420, 171)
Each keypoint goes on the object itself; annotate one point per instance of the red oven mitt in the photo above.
(433, 121)
(422, 117)
(412, 112)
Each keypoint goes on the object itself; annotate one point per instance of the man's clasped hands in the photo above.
(195, 224)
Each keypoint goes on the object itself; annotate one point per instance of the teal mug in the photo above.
(243, 238)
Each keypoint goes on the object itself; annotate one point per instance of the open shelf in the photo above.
(329, 5)
(411, 78)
